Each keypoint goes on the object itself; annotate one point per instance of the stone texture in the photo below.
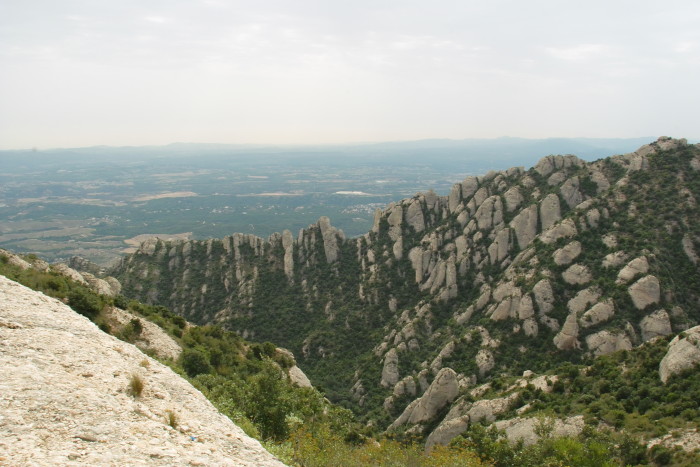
(567, 253)
(414, 216)
(564, 229)
(152, 337)
(583, 299)
(577, 274)
(390, 370)
(598, 313)
(683, 354)
(330, 239)
(513, 199)
(646, 291)
(525, 226)
(570, 192)
(635, 267)
(550, 211)
(654, 325)
(441, 392)
(525, 429)
(567, 338)
(62, 406)
(605, 342)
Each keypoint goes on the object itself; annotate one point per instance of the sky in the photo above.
(147, 72)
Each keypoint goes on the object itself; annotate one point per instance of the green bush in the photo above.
(194, 362)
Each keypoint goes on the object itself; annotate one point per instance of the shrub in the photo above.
(135, 385)
(85, 302)
(194, 363)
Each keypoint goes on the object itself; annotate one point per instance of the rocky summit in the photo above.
(73, 395)
(513, 271)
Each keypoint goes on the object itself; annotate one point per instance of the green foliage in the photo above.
(85, 302)
(194, 362)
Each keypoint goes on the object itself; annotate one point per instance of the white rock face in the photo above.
(442, 391)
(646, 291)
(567, 254)
(635, 267)
(485, 361)
(614, 259)
(583, 299)
(577, 274)
(567, 338)
(525, 226)
(152, 337)
(513, 199)
(550, 211)
(564, 229)
(298, 377)
(656, 324)
(330, 239)
(414, 216)
(390, 371)
(288, 246)
(605, 342)
(598, 313)
(683, 354)
(62, 406)
(524, 429)
(570, 192)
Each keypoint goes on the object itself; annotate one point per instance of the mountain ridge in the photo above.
(514, 270)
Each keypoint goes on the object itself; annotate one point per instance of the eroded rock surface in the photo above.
(62, 406)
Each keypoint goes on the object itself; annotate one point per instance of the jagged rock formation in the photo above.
(566, 260)
(683, 354)
(62, 406)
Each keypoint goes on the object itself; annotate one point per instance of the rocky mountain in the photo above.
(73, 395)
(513, 272)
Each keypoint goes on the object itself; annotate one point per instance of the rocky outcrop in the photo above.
(330, 237)
(150, 337)
(567, 338)
(62, 406)
(606, 342)
(390, 370)
(442, 391)
(526, 429)
(550, 212)
(655, 325)
(577, 274)
(646, 291)
(567, 254)
(683, 354)
(635, 267)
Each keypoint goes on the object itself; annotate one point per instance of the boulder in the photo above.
(550, 212)
(525, 226)
(513, 199)
(390, 371)
(683, 354)
(567, 338)
(633, 268)
(525, 429)
(583, 299)
(570, 192)
(656, 324)
(567, 253)
(577, 274)
(605, 342)
(564, 229)
(414, 216)
(440, 393)
(598, 313)
(614, 260)
(485, 361)
(646, 291)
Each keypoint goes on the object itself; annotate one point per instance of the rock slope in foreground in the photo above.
(64, 397)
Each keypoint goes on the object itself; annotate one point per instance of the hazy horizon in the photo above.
(87, 73)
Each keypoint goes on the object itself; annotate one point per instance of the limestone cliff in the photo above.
(68, 397)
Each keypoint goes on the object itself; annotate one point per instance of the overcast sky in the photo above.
(132, 72)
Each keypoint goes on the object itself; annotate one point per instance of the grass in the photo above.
(136, 385)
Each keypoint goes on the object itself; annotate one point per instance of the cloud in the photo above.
(582, 52)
